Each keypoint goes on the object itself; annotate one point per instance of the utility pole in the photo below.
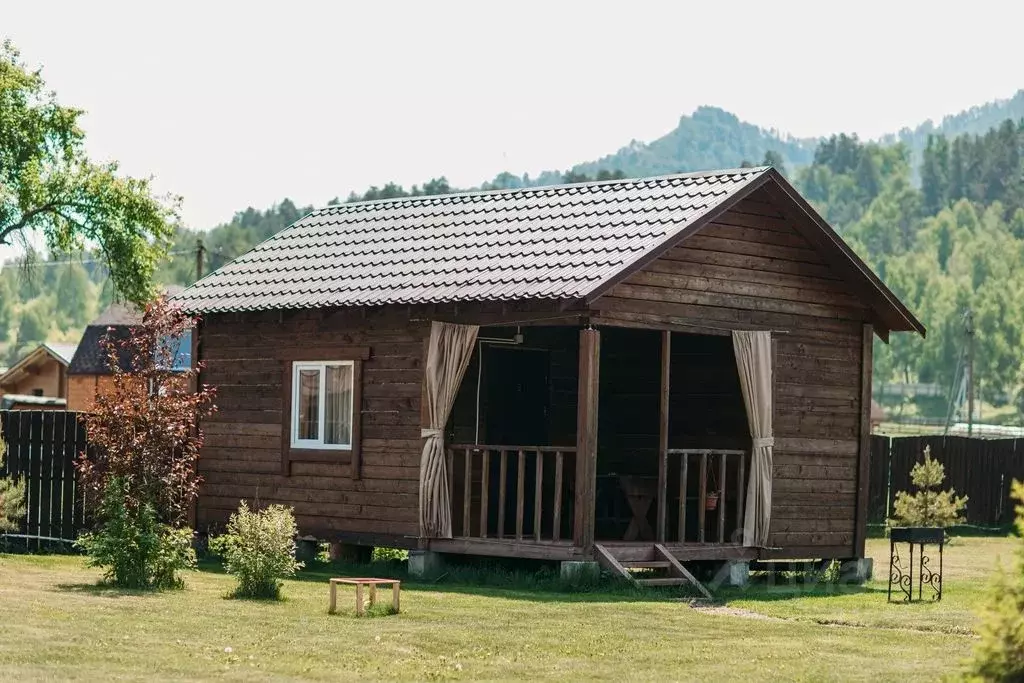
(969, 331)
(199, 258)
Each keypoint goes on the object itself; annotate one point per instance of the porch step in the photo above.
(664, 581)
(646, 564)
(678, 575)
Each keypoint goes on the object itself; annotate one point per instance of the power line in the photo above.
(63, 262)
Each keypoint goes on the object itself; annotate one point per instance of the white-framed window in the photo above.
(322, 413)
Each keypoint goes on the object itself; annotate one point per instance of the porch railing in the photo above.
(715, 462)
(533, 491)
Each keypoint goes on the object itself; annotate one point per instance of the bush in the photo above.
(12, 496)
(999, 656)
(136, 550)
(259, 549)
(928, 507)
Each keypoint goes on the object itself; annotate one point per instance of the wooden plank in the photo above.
(864, 451)
(605, 558)
(538, 495)
(663, 419)
(484, 486)
(684, 463)
(679, 569)
(556, 524)
(520, 493)
(467, 493)
(586, 436)
(71, 448)
(502, 483)
(702, 496)
(46, 467)
(722, 463)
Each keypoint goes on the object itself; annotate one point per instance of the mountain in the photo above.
(709, 138)
(975, 121)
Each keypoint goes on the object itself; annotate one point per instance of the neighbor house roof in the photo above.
(116, 321)
(568, 242)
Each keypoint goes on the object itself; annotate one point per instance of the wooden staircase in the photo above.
(667, 570)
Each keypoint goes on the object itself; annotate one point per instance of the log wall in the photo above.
(242, 458)
(753, 269)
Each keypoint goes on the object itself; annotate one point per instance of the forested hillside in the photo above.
(939, 216)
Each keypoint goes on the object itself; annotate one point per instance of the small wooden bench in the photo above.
(359, 584)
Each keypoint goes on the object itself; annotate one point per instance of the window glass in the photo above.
(338, 405)
(308, 409)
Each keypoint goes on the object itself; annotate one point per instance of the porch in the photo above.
(661, 415)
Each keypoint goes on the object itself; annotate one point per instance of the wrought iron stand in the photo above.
(903, 576)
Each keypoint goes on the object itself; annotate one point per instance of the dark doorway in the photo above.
(514, 396)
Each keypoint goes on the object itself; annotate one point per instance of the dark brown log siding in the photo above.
(241, 458)
(751, 269)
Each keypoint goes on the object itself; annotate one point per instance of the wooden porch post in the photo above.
(586, 437)
(666, 364)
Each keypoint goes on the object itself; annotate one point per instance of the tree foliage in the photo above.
(49, 186)
(928, 506)
(999, 654)
(12, 495)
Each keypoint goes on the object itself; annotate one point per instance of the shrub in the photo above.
(928, 506)
(145, 420)
(259, 549)
(999, 656)
(134, 548)
(12, 496)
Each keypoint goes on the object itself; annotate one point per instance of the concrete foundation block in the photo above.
(423, 563)
(857, 571)
(306, 549)
(737, 574)
(579, 573)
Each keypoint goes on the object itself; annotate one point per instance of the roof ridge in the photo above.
(710, 173)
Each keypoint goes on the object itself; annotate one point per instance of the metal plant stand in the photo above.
(902, 575)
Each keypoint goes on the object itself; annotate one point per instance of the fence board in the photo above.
(981, 469)
(41, 450)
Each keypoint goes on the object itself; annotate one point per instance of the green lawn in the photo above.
(55, 624)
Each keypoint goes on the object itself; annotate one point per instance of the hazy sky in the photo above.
(238, 104)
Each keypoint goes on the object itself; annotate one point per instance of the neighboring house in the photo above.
(41, 373)
(90, 371)
(602, 370)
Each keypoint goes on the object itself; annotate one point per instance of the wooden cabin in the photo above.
(42, 373)
(605, 370)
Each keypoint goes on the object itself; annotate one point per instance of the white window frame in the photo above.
(318, 444)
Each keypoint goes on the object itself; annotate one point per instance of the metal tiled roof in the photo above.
(557, 242)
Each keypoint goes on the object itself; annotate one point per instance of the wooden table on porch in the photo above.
(640, 493)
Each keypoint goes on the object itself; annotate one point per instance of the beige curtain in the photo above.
(447, 357)
(754, 361)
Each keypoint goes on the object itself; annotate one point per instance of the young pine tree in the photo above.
(928, 506)
(12, 495)
(999, 655)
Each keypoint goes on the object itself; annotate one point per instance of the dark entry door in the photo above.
(514, 397)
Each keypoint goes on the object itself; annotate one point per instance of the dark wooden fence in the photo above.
(981, 469)
(41, 449)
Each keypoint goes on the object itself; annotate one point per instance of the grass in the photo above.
(55, 622)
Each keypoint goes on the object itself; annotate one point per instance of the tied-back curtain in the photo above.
(448, 354)
(754, 361)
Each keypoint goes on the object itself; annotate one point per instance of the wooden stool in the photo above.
(359, 583)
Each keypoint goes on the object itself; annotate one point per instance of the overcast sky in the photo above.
(238, 104)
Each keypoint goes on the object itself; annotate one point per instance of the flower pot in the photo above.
(711, 501)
